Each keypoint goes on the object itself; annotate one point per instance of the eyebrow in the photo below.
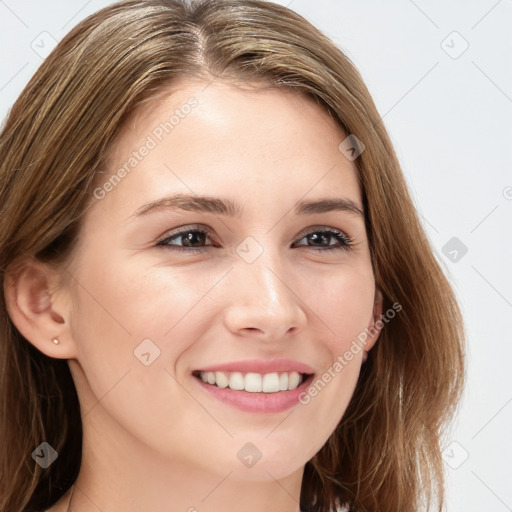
(230, 208)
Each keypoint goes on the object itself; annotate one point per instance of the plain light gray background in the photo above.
(440, 74)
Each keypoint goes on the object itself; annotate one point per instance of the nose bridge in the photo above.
(265, 282)
(262, 296)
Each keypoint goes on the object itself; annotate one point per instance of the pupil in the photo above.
(315, 238)
(189, 238)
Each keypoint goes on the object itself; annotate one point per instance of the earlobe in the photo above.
(33, 311)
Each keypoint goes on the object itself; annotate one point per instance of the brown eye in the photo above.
(192, 239)
(320, 240)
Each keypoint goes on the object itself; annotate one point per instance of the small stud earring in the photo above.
(365, 356)
(56, 341)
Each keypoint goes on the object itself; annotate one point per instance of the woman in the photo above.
(217, 292)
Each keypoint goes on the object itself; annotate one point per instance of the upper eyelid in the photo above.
(186, 229)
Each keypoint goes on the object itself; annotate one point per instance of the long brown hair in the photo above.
(385, 454)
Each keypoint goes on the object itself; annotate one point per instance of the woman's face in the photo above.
(154, 299)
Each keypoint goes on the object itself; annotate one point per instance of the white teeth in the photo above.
(253, 382)
(293, 380)
(236, 381)
(283, 382)
(270, 383)
(221, 380)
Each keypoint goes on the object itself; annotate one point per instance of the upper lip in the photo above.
(260, 366)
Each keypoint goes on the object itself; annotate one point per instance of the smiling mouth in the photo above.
(273, 382)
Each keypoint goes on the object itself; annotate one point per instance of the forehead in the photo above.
(256, 145)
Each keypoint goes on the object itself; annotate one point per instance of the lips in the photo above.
(260, 366)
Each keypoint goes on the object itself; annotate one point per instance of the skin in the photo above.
(153, 439)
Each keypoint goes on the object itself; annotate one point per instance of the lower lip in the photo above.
(257, 402)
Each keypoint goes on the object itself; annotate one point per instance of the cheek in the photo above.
(345, 308)
(125, 315)
(123, 303)
(344, 303)
(120, 320)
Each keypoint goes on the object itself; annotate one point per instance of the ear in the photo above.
(375, 325)
(37, 308)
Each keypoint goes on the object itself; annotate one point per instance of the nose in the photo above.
(262, 302)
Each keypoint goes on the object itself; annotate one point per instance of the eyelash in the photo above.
(345, 241)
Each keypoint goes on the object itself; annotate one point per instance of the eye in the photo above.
(193, 238)
(190, 237)
(320, 239)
